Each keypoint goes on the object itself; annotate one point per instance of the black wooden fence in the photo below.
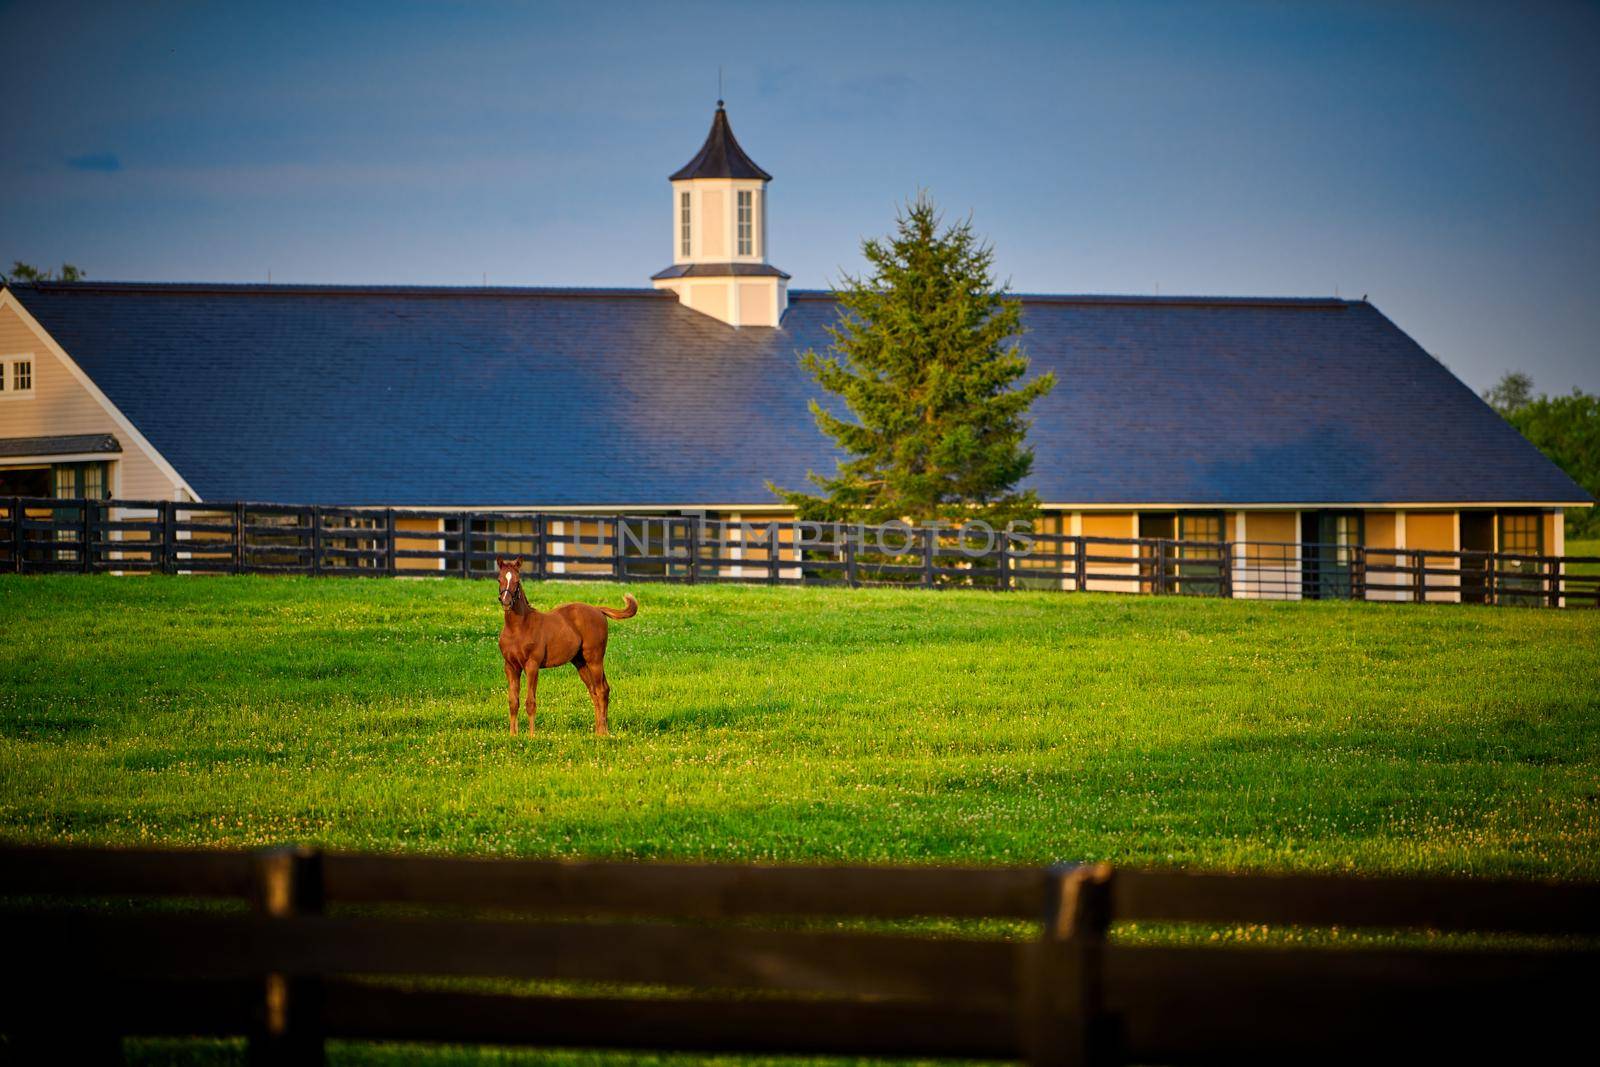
(133, 536)
(294, 947)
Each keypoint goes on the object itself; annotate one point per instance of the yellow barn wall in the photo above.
(1436, 530)
(1270, 569)
(1111, 524)
(402, 544)
(1382, 530)
(60, 406)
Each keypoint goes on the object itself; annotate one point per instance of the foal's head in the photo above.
(510, 579)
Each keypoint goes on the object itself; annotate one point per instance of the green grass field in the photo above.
(789, 724)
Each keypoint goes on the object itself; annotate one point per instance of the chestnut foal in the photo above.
(571, 633)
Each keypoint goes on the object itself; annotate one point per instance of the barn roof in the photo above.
(622, 397)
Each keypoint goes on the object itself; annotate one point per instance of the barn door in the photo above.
(1327, 542)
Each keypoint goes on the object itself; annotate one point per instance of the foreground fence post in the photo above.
(1079, 563)
(1063, 985)
(289, 1025)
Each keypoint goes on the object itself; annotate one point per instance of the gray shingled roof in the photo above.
(71, 444)
(529, 397)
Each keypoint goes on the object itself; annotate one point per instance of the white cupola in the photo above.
(719, 235)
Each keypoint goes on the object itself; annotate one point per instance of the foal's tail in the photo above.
(628, 612)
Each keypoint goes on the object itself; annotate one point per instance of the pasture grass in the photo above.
(807, 725)
(802, 725)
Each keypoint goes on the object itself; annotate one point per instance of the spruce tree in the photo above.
(925, 356)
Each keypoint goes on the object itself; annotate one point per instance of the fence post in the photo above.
(1358, 572)
(1063, 1013)
(85, 537)
(288, 883)
(390, 564)
(619, 562)
(1159, 586)
(1005, 562)
(1078, 564)
(238, 538)
(1491, 567)
(536, 553)
(466, 544)
(930, 544)
(17, 540)
(169, 537)
(1225, 570)
(1419, 580)
(315, 516)
(694, 549)
(850, 575)
(1553, 581)
(774, 552)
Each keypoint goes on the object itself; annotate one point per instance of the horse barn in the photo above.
(1295, 430)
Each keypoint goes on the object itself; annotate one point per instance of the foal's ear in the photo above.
(516, 564)
(500, 563)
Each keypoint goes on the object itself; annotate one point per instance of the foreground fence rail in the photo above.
(331, 946)
(142, 536)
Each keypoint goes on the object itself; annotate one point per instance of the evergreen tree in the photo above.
(925, 357)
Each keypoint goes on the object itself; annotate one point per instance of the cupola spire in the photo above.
(720, 156)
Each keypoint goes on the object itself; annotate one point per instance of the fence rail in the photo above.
(133, 536)
(321, 952)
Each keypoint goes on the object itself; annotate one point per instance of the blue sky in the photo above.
(1443, 158)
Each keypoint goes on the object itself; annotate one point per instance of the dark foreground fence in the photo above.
(305, 947)
(132, 536)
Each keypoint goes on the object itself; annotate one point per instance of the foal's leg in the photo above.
(533, 683)
(593, 673)
(513, 680)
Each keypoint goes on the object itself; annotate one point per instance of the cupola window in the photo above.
(746, 219)
(684, 230)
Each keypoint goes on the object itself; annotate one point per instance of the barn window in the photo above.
(16, 377)
(1521, 533)
(1199, 527)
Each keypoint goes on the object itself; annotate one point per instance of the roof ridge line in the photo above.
(342, 289)
(1307, 302)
